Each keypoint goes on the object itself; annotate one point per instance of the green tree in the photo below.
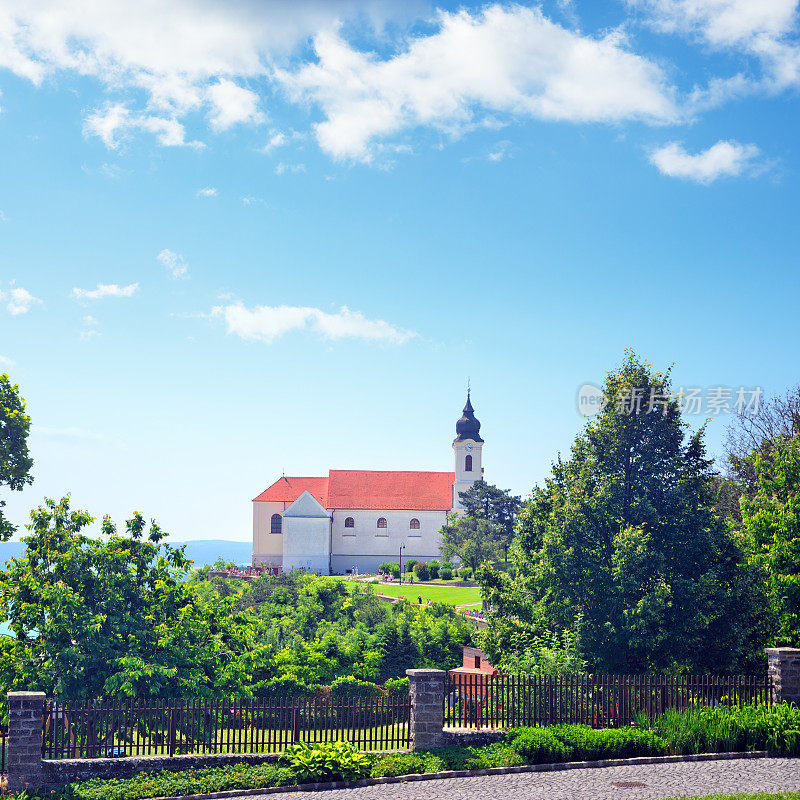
(771, 521)
(498, 506)
(114, 616)
(15, 462)
(624, 534)
(472, 539)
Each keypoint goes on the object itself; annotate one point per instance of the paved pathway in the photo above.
(603, 783)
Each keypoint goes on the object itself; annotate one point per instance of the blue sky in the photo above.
(244, 238)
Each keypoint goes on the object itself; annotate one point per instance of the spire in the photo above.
(468, 427)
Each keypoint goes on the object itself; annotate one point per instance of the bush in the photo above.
(390, 567)
(433, 568)
(350, 686)
(725, 729)
(448, 565)
(397, 687)
(394, 764)
(326, 761)
(410, 564)
(171, 784)
(421, 571)
(538, 745)
(465, 573)
(499, 754)
(445, 573)
(587, 744)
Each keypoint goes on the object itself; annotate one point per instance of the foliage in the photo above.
(771, 522)
(548, 654)
(433, 569)
(422, 571)
(92, 617)
(326, 761)
(173, 784)
(445, 573)
(397, 687)
(465, 573)
(394, 764)
(15, 462)
(410, 564)
(472, 539)
(625, 533)
(389, 567)
(350, 686)
(537, 745)
(497, 506)
(588, 744)
(721, 729)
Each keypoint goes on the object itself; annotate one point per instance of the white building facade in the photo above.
(358, 519)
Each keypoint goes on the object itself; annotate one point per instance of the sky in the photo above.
(246, 238)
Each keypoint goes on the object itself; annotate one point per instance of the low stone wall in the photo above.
(63, 771)
(463, 737)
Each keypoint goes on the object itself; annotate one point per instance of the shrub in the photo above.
(410, 564)
(721, 729)
(393, 764)
(391, 567)
(587, 744)
(445, 573)
(397, 687)
(465, 573)
(448, 565)
(326, 761)
(170, 784)
(499, 754)
(433, 568)
(421, 571)
(350, 686)
(538, 745)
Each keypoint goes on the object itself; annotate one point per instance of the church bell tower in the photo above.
(467, 447)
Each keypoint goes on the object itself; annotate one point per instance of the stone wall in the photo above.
(783, 664)
(426, 687)
(24, 741)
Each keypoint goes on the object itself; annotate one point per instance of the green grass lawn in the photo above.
(453, 595)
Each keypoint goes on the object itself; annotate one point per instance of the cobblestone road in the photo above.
(604, 783)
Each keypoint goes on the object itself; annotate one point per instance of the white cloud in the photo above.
(251, 201)
(232, 105)
(282, 168)
(765, 29)
(18, 300)
(276, 139)
(6, 362)
(500, 151)
(174, 263)
(208, 191)
(114, 123)
(3, 217)
(724, 159)
(105, 290)
(501, 60)
(268, 323)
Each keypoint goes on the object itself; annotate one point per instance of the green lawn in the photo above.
(453, 595)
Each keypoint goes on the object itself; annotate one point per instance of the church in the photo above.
(356, 519)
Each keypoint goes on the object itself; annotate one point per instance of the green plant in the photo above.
(393, 764)
(327, 761)
(445, 573)
(588, 744)
(390, 567)
(422, 571)
(465, 573)
(433, 569)
(410, 564)
(397, 687)
(538, 745)
(499, 754)
(350, 686)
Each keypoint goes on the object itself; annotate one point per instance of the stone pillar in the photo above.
(24, 742)
(783, 665)
(427, 708)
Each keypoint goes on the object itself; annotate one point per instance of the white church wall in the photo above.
(366, 546)
(267, 546)
(306, 544)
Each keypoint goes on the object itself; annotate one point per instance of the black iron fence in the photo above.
(476, 700)
(114, 727)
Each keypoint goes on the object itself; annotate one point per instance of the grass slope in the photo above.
(453, 595)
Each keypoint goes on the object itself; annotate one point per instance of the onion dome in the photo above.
(468, 427)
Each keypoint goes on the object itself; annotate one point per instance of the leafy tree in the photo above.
(473, 539)
(92, 617)
(15, 462)
(497, 506)
(771, 521)
(624, 535)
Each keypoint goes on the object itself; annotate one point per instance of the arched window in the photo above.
(414, 524)
(275, 523)
(468, 464)
(349, 522)
(381, 522)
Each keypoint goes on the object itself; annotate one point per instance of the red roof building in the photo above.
(354, 520)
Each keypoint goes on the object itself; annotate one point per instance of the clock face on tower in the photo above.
(468, 447)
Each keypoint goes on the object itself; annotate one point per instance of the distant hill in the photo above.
(202, 551)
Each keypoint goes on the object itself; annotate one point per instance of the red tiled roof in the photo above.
(358, 488)
(287, 490)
